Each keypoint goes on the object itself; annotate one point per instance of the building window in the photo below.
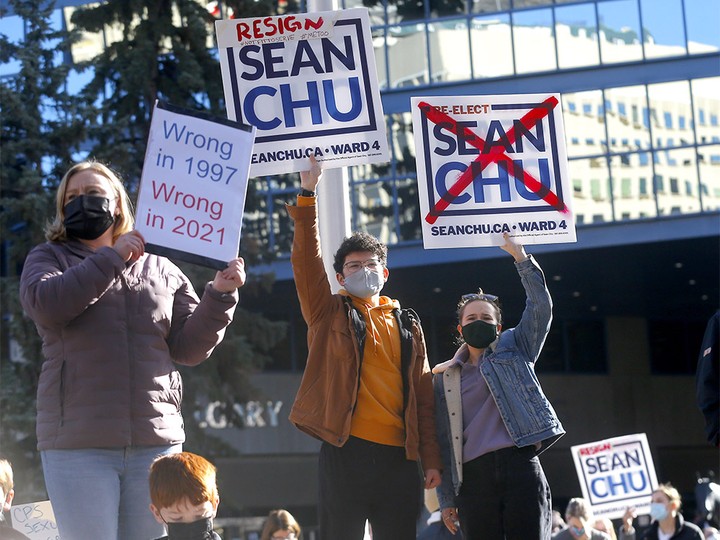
(674, 345)
(659, 184)
(668, 120)
(574, 347)
(625, 188)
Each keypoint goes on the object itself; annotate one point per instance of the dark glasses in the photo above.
(465, 298)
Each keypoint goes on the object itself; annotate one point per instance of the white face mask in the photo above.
(364, 283)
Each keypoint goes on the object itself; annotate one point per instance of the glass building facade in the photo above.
(640, 89)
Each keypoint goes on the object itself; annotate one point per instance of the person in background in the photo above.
(113, 320)
(579, 520)
(436, 529)
(367, 389)
(280, 525)
(558, 523)
(184, 495)
(707, 380)
(493, 418)
(605, 525)
(7, 492)
(667, 521)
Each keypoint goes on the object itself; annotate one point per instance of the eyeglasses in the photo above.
(371, 264)
(465, 298)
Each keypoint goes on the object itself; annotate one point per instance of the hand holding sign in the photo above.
(232, 278)
(130, 246)
(310, 179)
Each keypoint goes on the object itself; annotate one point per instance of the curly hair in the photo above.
(359, 241)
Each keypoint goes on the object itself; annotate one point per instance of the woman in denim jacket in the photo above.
(493, 418)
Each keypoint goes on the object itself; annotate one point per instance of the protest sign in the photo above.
(615, 474)
(487, 165)
(35, 520)
(194, 181)
(308, 82)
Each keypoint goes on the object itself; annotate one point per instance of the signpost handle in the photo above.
(334, 197)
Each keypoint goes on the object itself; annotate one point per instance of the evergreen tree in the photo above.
(162, 53)
(42, 127)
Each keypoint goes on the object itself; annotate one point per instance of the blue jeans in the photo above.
(103, 492)
(505, 496)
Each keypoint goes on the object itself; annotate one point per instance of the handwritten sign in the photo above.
(615, 474)
(35, 520)
(193, 187)
(488, 165)
(308, 82)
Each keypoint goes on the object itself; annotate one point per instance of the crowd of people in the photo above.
(115, 320)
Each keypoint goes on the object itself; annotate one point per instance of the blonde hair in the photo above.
(670, 492)
(279, 520)
(578, 508)
(6, 476)
(124, 222)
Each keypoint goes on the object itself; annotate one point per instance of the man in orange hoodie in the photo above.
(367, 388)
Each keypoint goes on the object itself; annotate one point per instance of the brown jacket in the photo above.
(328, 392)
(110, 336)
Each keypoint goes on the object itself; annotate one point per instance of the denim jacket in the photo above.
(508, 367)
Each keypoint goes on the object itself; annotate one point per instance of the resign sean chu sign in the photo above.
(193, 186)
(308, 83)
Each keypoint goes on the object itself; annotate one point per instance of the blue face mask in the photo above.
(658, 511)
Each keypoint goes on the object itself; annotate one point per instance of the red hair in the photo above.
(175, 477)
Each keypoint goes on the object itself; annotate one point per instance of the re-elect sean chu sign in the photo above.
(308, 83)
(489, 165)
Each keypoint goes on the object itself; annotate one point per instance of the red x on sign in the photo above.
(494, 155)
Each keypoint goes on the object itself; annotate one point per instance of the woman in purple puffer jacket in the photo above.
(114, 321)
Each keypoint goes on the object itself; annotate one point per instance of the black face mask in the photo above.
(87, 217)
(196, 530)
(479, 334)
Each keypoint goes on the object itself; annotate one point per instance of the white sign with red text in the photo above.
(35, 520)
(193, 187)
(308, 83)
(615, 474)
(488, 165)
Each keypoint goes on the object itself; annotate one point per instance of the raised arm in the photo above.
(534, 324)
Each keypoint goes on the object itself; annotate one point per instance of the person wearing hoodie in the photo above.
(493, 418)
(667, 521)
(366, 392)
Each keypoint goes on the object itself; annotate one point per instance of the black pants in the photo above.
(505, 496)
(364, 480)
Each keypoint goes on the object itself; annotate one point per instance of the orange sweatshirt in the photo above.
(378, 415)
